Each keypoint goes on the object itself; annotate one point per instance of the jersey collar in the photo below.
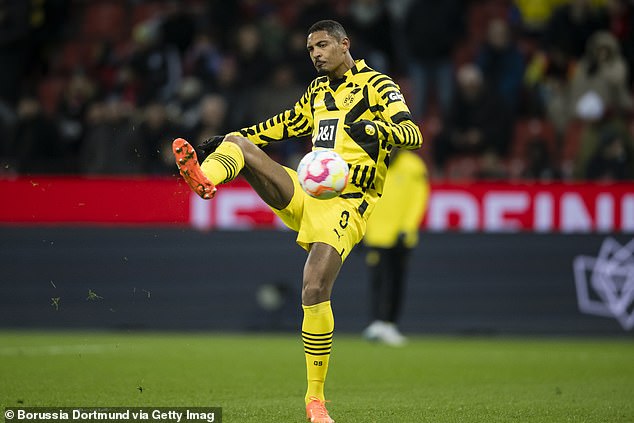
(358, 65)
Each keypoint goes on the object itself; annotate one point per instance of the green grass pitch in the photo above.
(260, 378)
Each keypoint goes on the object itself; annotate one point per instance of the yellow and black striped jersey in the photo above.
(400, 210)
(327, 110)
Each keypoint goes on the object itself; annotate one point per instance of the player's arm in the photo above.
(395, 124)
(295, 122)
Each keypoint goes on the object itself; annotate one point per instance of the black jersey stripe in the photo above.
(409, 134)
(386, 86)
(400, 117)
(376, 75)
(295, 120)
(329, 101)
(334, 85)
(352, 195)
(358, 109)
(363, 207)
(305, 126)
(383, 78)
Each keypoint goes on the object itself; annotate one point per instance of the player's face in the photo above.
(327, 53)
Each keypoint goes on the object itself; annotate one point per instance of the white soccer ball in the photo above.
(323, 174)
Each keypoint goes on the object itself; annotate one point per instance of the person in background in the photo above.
(479, 123)
(391, 234)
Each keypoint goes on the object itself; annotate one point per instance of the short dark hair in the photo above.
(333, 28)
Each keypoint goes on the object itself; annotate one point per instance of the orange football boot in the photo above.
(316, 411)
(187, 163)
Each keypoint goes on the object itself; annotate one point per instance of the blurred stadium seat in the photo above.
(75, 54)
(147, 10)
(105, 20)
(49, 92)
(530, 129)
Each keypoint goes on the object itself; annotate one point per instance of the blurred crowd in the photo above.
(502, 89)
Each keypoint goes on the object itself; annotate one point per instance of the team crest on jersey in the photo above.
(347, 102)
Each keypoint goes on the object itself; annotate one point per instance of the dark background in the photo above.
(182, 279)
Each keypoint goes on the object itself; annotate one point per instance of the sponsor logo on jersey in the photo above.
(326, 133)
(395, 96)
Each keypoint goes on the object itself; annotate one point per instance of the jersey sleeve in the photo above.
(396, 125)
(295, 122)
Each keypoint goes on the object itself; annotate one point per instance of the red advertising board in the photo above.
(482, 206)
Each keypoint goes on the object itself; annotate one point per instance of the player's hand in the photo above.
(209, 146)
(364, 131)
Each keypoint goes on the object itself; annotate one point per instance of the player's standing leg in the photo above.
(320, 272)
(274, 185)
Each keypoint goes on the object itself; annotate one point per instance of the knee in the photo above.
(314, 293)
(241, 142)
(249, 150)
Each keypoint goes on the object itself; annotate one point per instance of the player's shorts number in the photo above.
(345, 216)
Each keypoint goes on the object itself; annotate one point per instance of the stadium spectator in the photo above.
(370, 23)
(157, 67)
(613, 160)
(621, 18)
(539, 165)
(79, 92)
(8, 120)
(203, 59)
(534, 15)
(185, 108)
(177, 26)
(502, 63)
(213, 118)
(571, 25)
(433, 30)
(605, 144)
(253, 65)
(15, 46)
(295, 54)
(602, 70)
(478, 121)
(37, 147)
(282, 90)
(111, 145)
(156, 132)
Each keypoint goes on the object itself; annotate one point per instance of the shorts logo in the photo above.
(605, 284)
(326, 133)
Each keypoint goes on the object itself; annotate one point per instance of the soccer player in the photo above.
(351, 109)
(391, 234)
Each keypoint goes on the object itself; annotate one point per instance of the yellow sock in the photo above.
(224, 164)
(317, 330)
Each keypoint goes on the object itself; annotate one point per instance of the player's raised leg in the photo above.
(232, 156)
